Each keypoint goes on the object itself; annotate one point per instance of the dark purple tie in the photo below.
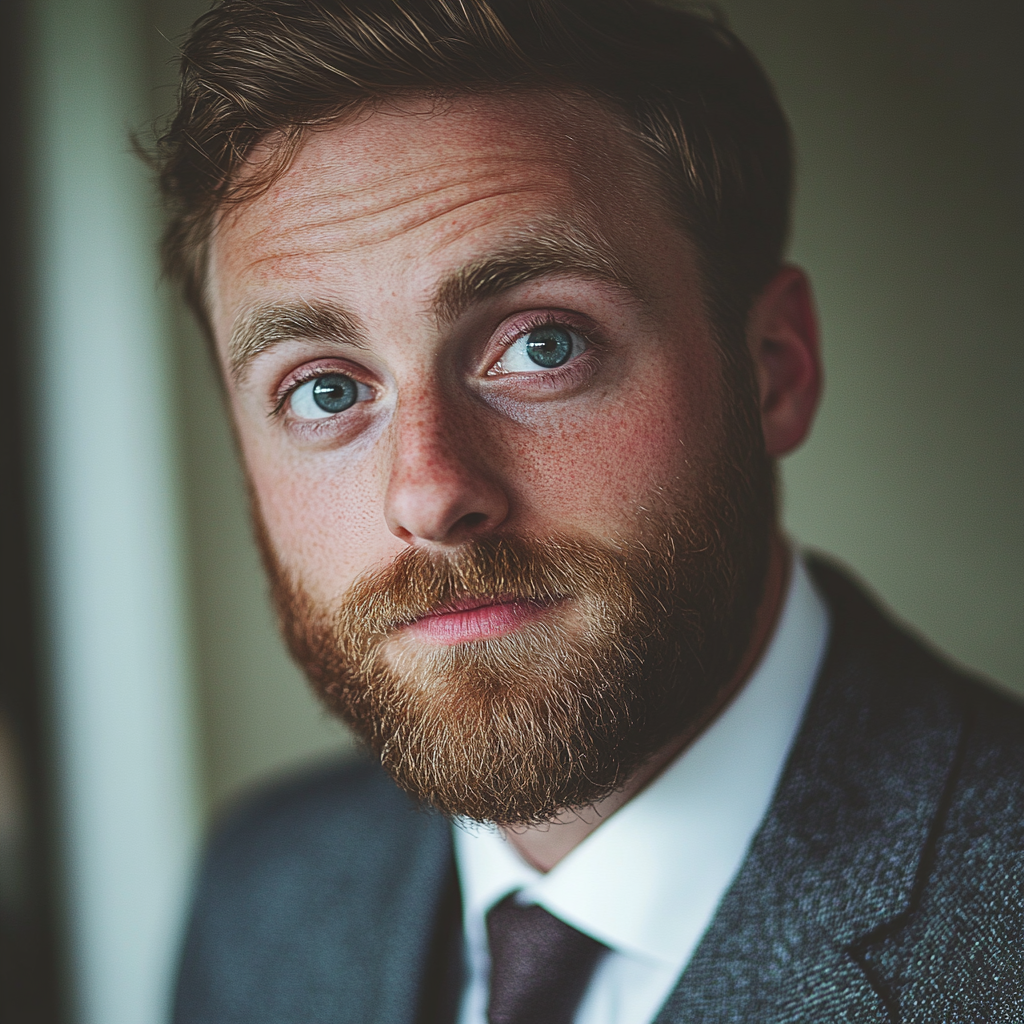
(540, 966)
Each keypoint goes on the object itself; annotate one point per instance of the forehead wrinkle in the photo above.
(297, 251)
(390, 191)
(550, 250)
(424, 178)
(313, 228)
(263, 326)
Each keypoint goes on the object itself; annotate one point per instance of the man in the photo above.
(498, 294)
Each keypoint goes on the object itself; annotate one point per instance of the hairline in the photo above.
(660, 180)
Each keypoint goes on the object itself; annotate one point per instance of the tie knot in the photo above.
(540, 966)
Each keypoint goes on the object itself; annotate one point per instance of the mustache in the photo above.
(508, 568)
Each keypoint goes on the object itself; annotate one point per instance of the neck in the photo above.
(543, 846)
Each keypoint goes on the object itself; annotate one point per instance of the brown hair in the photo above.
(694, 96)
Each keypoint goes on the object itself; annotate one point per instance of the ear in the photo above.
(782, 332)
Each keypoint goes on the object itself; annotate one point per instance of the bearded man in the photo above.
(498, 292)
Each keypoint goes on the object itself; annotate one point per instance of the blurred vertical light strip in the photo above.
(100, 396)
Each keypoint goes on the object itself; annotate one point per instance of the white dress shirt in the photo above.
(647, 882)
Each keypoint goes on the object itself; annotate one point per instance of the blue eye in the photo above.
(549, 347)
(335, 392)
(545, 348)
(325, 396)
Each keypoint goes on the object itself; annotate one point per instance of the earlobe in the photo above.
(782, 332)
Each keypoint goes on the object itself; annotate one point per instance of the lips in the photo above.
(475, 618)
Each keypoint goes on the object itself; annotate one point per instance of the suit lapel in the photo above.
(839, 853)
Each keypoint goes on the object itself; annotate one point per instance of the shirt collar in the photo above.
(648, 880)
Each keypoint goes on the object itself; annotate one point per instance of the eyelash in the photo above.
(514, 333)
(536, 321)
(304, 376)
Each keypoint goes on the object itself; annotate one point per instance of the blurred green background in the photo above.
(907, 117)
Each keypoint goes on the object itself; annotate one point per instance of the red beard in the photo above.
(636, 646)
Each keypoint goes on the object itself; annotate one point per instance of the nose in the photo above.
(441, 486)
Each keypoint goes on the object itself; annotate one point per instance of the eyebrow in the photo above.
(269, 324)
(543, 252)
(561, 250)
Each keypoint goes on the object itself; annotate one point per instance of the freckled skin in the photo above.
(372, 215)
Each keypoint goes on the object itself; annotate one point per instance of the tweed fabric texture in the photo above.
(317, 904)
(872, 892)
(886, 883)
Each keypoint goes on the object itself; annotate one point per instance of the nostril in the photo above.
(434, 498)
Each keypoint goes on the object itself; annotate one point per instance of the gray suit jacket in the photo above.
(885, 884)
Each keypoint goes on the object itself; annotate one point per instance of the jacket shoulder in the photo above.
(349, 802)
(866, 631)
(958, 948)
(315, 902)
(884, 883)
(986, 771)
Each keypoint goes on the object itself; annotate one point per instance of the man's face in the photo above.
(470, 328)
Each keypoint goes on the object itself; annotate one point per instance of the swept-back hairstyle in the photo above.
(692, 95)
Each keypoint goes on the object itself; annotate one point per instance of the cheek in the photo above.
(324, 519)
(604, 472)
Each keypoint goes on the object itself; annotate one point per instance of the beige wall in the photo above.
(908, 119)
(909, 220)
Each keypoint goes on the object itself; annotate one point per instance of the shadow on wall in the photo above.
(908, 125)
(909, 121)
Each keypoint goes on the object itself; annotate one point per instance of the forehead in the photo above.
(409, 188)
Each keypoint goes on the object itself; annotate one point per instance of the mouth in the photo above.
(475, 618)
